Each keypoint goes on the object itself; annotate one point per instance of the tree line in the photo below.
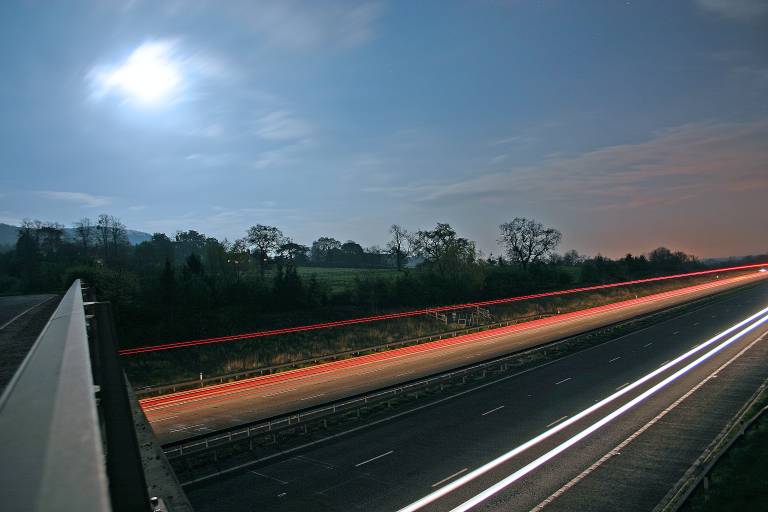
(191, 285)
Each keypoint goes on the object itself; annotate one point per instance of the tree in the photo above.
(194, 265)
(188, 242)
(323, 249)
(398, 245)
(265, 240)
(434, 245)
(85, 232)
(50, 238)
(352, 254)
(573, 258)
(112, 236)
(527, 241)
(294, 252)
(441, 249)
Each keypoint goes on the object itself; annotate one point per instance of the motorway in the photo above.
(612, 427)
(22, 317)
(15, 306)
(185, 414)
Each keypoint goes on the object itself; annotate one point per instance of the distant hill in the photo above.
(8, 235)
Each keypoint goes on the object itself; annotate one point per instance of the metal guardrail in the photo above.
(701, 468)
(51, 455)
(149, 391)
(206, 442)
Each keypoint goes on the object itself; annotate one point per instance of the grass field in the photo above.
(337, 279)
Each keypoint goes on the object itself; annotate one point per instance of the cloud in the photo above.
(82, 198)
(281, 125)
(231, 222)
(278, 157)
(689, 161)
(738, 10)
(753, 74)
(299, 25)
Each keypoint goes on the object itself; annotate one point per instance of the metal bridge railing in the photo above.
(51, 455)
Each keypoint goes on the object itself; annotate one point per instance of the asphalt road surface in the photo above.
(627, 463)
(22, 317)
(15, 306)
(189, 413)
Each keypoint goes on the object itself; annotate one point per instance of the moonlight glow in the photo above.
(149, 75)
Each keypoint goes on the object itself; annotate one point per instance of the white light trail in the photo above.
(548, 433)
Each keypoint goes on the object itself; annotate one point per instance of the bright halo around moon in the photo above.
(148, 76)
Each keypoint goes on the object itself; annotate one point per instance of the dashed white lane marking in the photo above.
(647, 345)
(623, 444)
(373, 371)
(186, 427)
(166, 418)
(675, 333)
(270, 477)
(449, 477)
(404, 373)
(313, 396)
(281, 494)
(614, 359)
(556, 422)
(695, 324)
(564, 380)
(375, 458)
(279, 392)
(625, 384)
(489, 412)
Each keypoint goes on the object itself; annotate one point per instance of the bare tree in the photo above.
(265, 240)
(398, 246)
(85, 231)
(527, 241)
(112, 235)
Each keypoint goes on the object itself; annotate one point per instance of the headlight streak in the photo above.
(584, 433)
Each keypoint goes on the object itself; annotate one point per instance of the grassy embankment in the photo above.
(224, 358)
(739, 480)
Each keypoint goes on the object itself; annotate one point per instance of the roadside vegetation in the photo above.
(739, 480)
(192, 286)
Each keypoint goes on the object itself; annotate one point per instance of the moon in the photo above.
(148, 76)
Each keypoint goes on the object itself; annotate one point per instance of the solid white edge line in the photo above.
(556, 421)
(479, 498)
(416, 505)
(492, 410)
(375, 458)
(449, 477)
(9, 322)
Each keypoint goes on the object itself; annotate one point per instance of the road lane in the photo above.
(227, 405)
(436, 442)
(14, 307)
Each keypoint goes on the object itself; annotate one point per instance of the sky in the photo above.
(624, 124)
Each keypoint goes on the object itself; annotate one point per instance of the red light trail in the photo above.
(403, 314)
(223, 392)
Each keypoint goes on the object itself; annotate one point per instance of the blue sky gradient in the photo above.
(627, 125)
